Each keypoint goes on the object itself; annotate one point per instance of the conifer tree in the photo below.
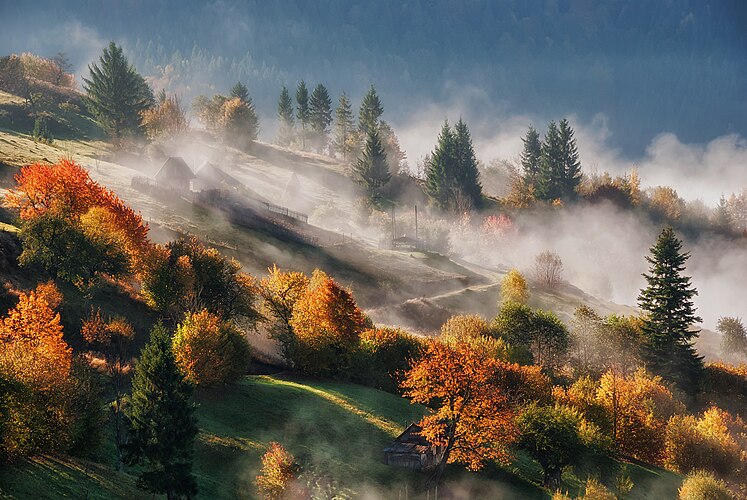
(116, 94)
(571, 166)
(344, 128)
(722, 217)
(286, 126)
(551, 165)
(467, 175)
(667, 301)
(320, 116)
(372, 168)
(239, 90)
(439, 172)
(370, 112)
(161, 420)
(302, 110)
(531, 156)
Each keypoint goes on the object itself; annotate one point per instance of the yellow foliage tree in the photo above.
(514, 288)
(278, 471)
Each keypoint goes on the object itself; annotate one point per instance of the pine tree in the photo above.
(161, 420)
(370, 112)
(531, 156)
(439, 172)
(344, 128)
(320, 116)
(116, 94)
(467, 175)
(722, 218)
(286, 126)
(372, 168)
(239, 90)
(570, 164)
(302, 110)
(670, 312)
(551, 171)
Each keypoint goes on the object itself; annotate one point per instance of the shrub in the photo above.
(278, 472)
(725, 386)
(548, 269)
(595, 490)
(210, 351)
(465, 326)
(41, 131)
(703, 486)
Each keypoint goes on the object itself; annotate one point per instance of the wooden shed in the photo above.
(412, 451)
(175, 174)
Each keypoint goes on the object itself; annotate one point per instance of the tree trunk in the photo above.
(439, 472)
(551, 478)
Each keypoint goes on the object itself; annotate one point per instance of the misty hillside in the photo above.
(647, 66)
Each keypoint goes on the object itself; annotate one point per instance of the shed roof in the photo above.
(175, 168)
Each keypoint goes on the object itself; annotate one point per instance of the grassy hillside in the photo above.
(336, 431)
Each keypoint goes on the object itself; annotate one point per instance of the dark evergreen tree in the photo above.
(570, 164)
(344, 144)
(531, 156)
(286, 126)
(439, 173)
(370, 112)
(116, 94)
(372, 169)
(550, 180)
(670, 313)
(161, 421)
(320, 116)
(468, 190)
(241, 91)
(302, 110)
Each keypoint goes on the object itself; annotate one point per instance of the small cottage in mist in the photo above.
(412, 451)
(175, 174)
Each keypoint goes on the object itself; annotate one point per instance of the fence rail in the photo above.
(286, 211)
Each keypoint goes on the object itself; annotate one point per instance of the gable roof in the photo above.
(210, 172)
(410, 441)
(175, 168)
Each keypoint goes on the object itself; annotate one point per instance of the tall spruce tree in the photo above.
(116, 94)
(286, 125)
(550, 180)
(370, 112)
(439, 173)
(344, 128)
(372, 169)
(571, 166)
(670, 314)
(302, 110)
(531, 156)
(320, 116)
(468, 190)
(161, 421)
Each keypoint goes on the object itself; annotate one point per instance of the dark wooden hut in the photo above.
(412, 451)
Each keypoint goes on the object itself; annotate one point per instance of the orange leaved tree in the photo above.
(472, 418)
(32, 348)
(327, 324)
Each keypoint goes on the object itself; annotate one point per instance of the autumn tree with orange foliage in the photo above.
(639, 407)
(210, 351)
(471, 419)
(73, 226)
(35, 363)
(280, 291)
(327, 324)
